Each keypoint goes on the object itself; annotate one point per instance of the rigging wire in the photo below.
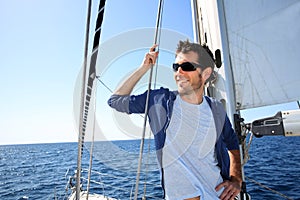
(270, 189)
(87, 85)
(91, 80)
(91, 150)
(106, 86)
(81, 120)
(156, 40)
(158, 37)
(158, 20)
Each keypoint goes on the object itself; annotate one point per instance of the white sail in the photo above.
(264, 47)
(263, 42)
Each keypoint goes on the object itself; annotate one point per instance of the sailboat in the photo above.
(257, 66)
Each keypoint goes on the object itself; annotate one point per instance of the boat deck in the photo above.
(83, 196)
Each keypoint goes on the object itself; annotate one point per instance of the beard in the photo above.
(187, 88)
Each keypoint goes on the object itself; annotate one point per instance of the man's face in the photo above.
(188, 81)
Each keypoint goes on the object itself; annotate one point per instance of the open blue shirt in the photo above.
(160, 110)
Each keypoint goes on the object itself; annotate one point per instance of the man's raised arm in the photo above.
(127, 86)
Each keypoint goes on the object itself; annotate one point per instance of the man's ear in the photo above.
(206, 73)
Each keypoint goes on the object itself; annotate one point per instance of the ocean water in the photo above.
(42, 171)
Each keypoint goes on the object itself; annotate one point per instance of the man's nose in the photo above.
(179, 70)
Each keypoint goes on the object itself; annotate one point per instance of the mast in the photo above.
(196, 21)
(233, 114)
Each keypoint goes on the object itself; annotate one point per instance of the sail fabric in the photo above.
(263, 39)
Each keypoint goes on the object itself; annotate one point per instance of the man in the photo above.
(193, 136)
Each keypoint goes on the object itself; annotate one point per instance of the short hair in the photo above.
(205, 56)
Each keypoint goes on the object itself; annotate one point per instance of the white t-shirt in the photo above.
(189, 161)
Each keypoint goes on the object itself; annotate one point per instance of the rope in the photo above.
(147, 104)
(267, 188)
(246, 147)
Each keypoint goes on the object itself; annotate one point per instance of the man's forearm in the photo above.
(235, 166)
(127, 86)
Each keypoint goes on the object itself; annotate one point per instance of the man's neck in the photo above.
(193, 98)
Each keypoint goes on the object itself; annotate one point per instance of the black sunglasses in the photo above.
(186, 66)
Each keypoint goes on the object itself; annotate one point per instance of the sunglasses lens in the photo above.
(175, 67)
(187, 66)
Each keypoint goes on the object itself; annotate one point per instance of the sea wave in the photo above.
(41, 171)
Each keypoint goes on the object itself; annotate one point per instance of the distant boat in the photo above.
(257, 52)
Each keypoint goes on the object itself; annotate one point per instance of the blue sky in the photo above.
(41, 53)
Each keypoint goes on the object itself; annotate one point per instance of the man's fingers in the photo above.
(220, 186)
(152, 49)
(230, 191)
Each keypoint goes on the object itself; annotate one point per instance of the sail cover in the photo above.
(264, 47)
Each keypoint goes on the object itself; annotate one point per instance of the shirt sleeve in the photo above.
(128, 103)
(230, 137)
